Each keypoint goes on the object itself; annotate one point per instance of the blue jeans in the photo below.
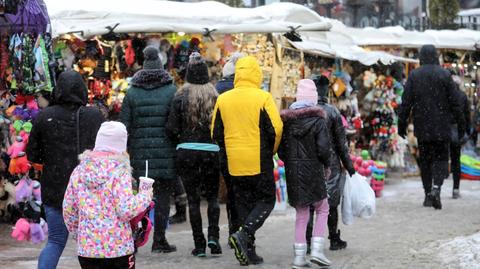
(57, 239)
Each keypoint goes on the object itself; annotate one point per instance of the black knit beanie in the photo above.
(322, 83)
(151, 58)
(197, 70)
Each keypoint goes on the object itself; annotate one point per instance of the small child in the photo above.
(305, 149)
(99, 202)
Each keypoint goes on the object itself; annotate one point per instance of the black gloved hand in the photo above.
(351, 171)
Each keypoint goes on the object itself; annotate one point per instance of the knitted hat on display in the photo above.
(152, 59)
(112, 137)
(229, 67)
(197, 70)
(307, 91)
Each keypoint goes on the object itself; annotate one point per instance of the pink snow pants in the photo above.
(303, 215)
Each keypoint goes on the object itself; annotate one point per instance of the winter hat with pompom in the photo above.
(307, 91)
(152, 60)
(229, 67)
(197, 70)
(112, 137)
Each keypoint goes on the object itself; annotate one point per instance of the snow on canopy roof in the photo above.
(92, 16)
(469, 12)
(335, 45)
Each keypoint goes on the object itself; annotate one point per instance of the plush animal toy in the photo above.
(21, 231)
(38, 232)
(17, 147)
(7, 199)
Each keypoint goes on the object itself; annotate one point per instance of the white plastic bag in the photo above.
(358, 199)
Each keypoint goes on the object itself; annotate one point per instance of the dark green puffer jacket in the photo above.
(145, 112)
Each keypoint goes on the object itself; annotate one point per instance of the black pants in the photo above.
(255, 199)
(179, 195)
(232, 214)
(455, 152)
(162, 189)
(433, 161)
(125, 262)
(199, 171)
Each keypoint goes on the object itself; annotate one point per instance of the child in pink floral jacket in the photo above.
(99, 202)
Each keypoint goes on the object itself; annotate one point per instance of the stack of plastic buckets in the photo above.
(377, 181)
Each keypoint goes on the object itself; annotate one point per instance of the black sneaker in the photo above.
(199, 252)
(239, 241)
(336, 243)
(163, 247)
(214, 245)
(428, 200)
(179, 217)
(436, 202)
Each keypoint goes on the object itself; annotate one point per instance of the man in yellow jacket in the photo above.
(247, 126)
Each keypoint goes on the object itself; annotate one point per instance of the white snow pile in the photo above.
(461, 252)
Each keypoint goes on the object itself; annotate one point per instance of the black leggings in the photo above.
(255, 199)
(233, 223)
(199, 171)
(125, 262)
(455, 152)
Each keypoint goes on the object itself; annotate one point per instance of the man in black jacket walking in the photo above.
(430, 96)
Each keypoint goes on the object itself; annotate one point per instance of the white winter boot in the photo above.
(316, 256)
(299, 260)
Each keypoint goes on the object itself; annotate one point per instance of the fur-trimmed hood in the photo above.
(102, 167)
(294, 114)
(151, 79)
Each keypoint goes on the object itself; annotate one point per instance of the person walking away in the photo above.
(339, 156)
(228, 73)
(60, 133)
(99, 202)
(430, 96)
(456, 145)
(247, 125)
(145, 112)
(305, 149)
(197, 156)
(222, 86)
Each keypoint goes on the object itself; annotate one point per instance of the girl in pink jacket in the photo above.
(99, 202)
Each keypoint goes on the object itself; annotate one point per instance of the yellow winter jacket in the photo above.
(246, 122)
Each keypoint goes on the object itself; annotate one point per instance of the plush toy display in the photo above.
(7, 200)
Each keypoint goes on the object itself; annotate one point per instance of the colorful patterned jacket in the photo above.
(99, 204)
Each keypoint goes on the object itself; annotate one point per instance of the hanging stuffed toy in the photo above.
(129, 54)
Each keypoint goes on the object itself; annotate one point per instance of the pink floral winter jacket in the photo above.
(99, 204)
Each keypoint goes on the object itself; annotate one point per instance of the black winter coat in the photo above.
(305, 149)
(53, 140)
(339, 153)
(145, 112)
(430, 95)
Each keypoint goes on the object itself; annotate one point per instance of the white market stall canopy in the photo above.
(462, 39)
(91, 17)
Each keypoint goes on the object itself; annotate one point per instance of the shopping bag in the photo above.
(358, 199)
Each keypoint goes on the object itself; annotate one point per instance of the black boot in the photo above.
(214, 245)
(428, 200)
(252, 256)
(335, 242)
(162, 246)
(180, 214)
(436, 203)
(200, 246)
(240, 242)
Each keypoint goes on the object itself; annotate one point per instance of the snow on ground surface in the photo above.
(403, 234)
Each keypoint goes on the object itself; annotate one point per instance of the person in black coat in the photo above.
(197, 156)
(456, 145)
(305, 149)
(430, 96)
(60, 133)
(339, 156)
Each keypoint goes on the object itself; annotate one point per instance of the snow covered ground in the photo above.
(402, 235)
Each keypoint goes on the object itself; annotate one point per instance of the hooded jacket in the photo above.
(339, 152)
(430, 96)
(246, 123)
(305, 149)
(99, 204)
(145, 111)
(225, 84)
(53, 139)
